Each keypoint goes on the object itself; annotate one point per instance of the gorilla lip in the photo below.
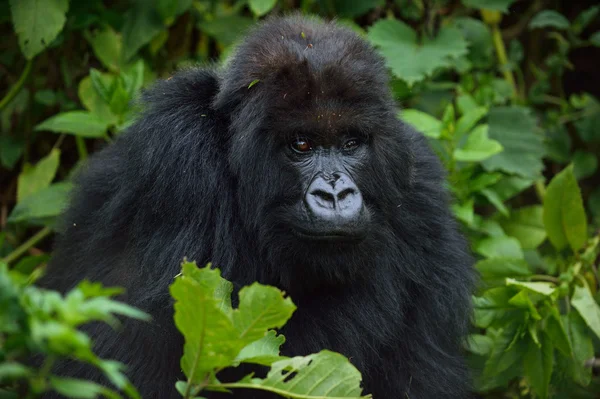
(329, 235)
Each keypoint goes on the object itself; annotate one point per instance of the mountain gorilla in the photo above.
(288, 167)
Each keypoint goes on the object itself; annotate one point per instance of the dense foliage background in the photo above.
(508, 91)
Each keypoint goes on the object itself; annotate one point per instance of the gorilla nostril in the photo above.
(323, 198)
(345, 193)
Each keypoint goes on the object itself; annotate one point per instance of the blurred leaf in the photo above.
(549, 19)
(537, 287)
(107, 46)
(522, 300)
(585, 164)
(14, 371)
(557, 333)
(564, 215)
(587, 307)
(478, 146)
(171, 9)
(49, 202)
(587, 127)
(103, 84)
(585, 18)
(500, 247)
(37, 23)
(493, 306)
(92, 100)
(80, 389)
(78, 123)
(45, 97)
(515, 129)
(595, 39)
(355, 8)
(422, 122)
(505, 354)
(583, 348)
(526, 225)
(594, 203)
(227, 29)
(509, 186)
(495, 200)
(502, 267)
(11, 150)
(468, 120)
(35, 178)
(263, 351)
(479, 36)
(480, 344)
(142, 23)
(538, 365)
(497, 5)
(261, 7)
(407, 58)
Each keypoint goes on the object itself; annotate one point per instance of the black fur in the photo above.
(200, 175)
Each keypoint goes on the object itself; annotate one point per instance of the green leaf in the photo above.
(500, 247)
(595, 39)
(495, 200)
(583, 348)
(538, 365)
(261, 7)
(585, 164)
(585, 18)
(423, 122)
(587, 307)
(322, 375)
(523, 301)
(564, 215)
(497, 5)
(107, 46)
(93, 101)
(526, 225)
(79, 123)
(11, 149)
(103, 84)
(479, 36)
(35, 178)
(46, 203)
(142, 23)
(264, 351)
(37, 23)
(169, 10)
(410, 60)
(355, 8)
(515, 129)
(549, 19)
(557, 333)
(12, 371)
(505, 354)
(478, 146)
(545, 289)
(227, 29)
(493, 306)
(594, 203)
(480, 344)
(502, 267)
(80, 389)
(469, 119)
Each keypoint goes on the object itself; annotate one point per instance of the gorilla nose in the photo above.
(335, 198)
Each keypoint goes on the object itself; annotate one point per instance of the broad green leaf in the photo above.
(264, 351)
(423, 122)
(35, 178)
(210, 337)
(523, 301)
(505, 354)
(80, 389)
(466, 122)
(465, 211)
(93, 101)
(500, 247)
(538, 365)
(495, 200)
(410, 59)
(79, 123)
(478, 146)
(261, 308)
(480, 344)
(587, 307)
(493, 306)
(227, 29)
(583, 348)
(515, 129)
(564, 215)
(481, 45)
(497, 5)
(107, 46)
(142, 23)
(526, 225)
(510, 186)
(557, 333)
(585, 164)
(355, 8)
(261, 7)
(46, 203)
(482, 181)
(543, 288)
(37, 23)
(502, 267)
(322, 375)
(549, 19)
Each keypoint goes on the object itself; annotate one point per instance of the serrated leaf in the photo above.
(497, 5)
(543, 288)
(37, 23)
(79, 123)
(538, 365)
(35, 178)
(564, 215)
(422, 122)
(261, 7)
(478, 146)
(515, 129)
(587, 307)
(264, 351)
(549, 19)
(46, 203)
(526, 225)
(322, 375)
(410, 60)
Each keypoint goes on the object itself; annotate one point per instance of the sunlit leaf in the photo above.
(526, 225)
(423, 122)
(478, 146)
(48, 202)
(261, 7)
(78, 123)
(587, 307)
(35, 178)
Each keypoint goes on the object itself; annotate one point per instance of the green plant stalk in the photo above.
(503, 59)
(81, 148)
(21, 249)
(17, 86)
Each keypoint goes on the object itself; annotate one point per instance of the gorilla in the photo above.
(288, 166)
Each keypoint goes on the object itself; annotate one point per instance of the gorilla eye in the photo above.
(351, 144)
(301, 146)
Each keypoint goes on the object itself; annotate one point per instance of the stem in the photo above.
(81, 148)
(543, 277)
(21, 249)
(540, 190)
(188, 387)
(17, 86)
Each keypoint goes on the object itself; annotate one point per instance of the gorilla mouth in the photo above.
(332, 235)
